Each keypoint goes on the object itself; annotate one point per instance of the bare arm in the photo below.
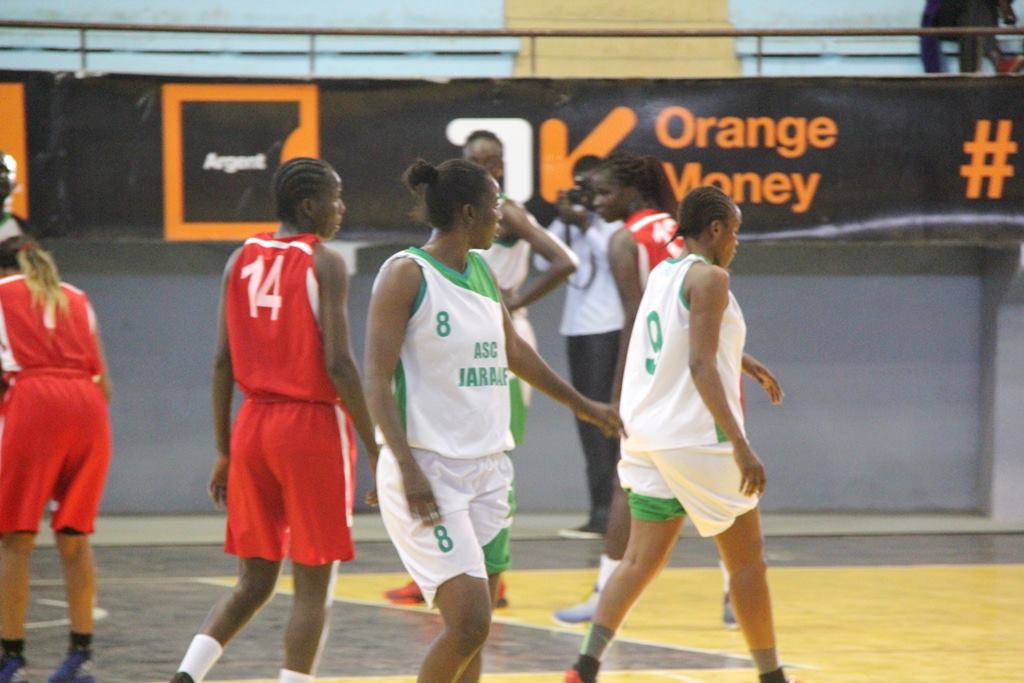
(390, 309)
(527, 364)
(707, 290)
(756, 370)
(221, 394)
(332, 278)
(562, 261)
(623, 258)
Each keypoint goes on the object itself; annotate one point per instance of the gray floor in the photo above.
(209, 529)
(153, 605)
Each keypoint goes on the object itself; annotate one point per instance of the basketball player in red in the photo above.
(55, 445)
(286, 470)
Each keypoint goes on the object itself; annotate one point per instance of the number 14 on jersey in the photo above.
(264, 288)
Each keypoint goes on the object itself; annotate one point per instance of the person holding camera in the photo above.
(592, 321)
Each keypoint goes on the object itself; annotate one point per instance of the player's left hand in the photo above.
(765, 378)
(371, 497)
(218, 486)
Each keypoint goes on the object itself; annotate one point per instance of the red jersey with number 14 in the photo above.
(271, 310)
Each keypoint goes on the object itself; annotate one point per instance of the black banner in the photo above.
(806, 158)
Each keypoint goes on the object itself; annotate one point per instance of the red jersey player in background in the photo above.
(634, 189)
(55, 445)
(286, 471)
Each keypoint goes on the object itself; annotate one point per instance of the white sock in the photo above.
(287, 676)
(604, 571)
(200, 657)
(725, 577)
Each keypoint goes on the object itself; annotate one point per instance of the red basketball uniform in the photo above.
(292, 459)
(56, 427)
(654, 231)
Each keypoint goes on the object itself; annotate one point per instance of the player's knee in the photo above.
(470, 630)
(20, 542)
(255, 589)
(753, 569)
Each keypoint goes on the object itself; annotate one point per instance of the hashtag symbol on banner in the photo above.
(989, 159)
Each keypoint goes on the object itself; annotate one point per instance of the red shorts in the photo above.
(55, 446)
(291, 473)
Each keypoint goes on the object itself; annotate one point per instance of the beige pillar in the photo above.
(622, 57)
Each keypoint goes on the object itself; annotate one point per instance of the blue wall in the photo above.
(883, 352)
(282, 56)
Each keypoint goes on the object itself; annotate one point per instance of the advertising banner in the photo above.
(13, 141)
(849, 158)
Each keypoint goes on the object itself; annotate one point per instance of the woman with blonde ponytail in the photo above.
(55, 445)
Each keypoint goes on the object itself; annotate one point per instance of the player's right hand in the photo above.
(604, 415)
(752, 475)
(420, 496)
(218, 486)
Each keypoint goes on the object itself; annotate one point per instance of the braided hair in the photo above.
(702, 206)
(646, 174)
(297, 179)
(40, 271)
(446, 187)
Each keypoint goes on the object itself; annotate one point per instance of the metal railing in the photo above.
(530, 35)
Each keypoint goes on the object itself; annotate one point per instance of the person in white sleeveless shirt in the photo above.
(685, 452)
(440, 350)
(10, 224)
(509, 260)
(519, 233)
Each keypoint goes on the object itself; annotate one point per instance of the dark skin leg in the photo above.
(471, 674)
(742, 549)
(465, 608)
(79, 579)
(256, 581)
(15, 559)
(650, 547)
(306, 621)
(617, 536)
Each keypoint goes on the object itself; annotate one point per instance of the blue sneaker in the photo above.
(76, 668)
(728, 616)
(12, 669)
(581, 613)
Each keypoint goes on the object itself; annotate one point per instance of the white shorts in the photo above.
(704, 479)
(474, 497)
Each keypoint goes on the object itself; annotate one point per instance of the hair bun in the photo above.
(421, 173)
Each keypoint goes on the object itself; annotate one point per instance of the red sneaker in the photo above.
(502, 598)
(572, 676)
(409, 594)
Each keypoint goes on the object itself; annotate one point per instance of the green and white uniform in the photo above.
(676, 458)
(510, 262)
(451, 386)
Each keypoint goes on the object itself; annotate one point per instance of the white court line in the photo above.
(97, 614)
(510, 621)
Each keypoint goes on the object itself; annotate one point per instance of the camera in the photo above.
(580, 195)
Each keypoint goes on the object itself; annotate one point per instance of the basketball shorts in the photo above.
(702, 482)
(476, 501)
(291, 482)
(55, 446)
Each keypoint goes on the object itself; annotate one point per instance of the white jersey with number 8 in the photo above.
(451, 383)
(660, 405)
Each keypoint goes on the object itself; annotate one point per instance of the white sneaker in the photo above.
(581, 613)
(728, 617)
